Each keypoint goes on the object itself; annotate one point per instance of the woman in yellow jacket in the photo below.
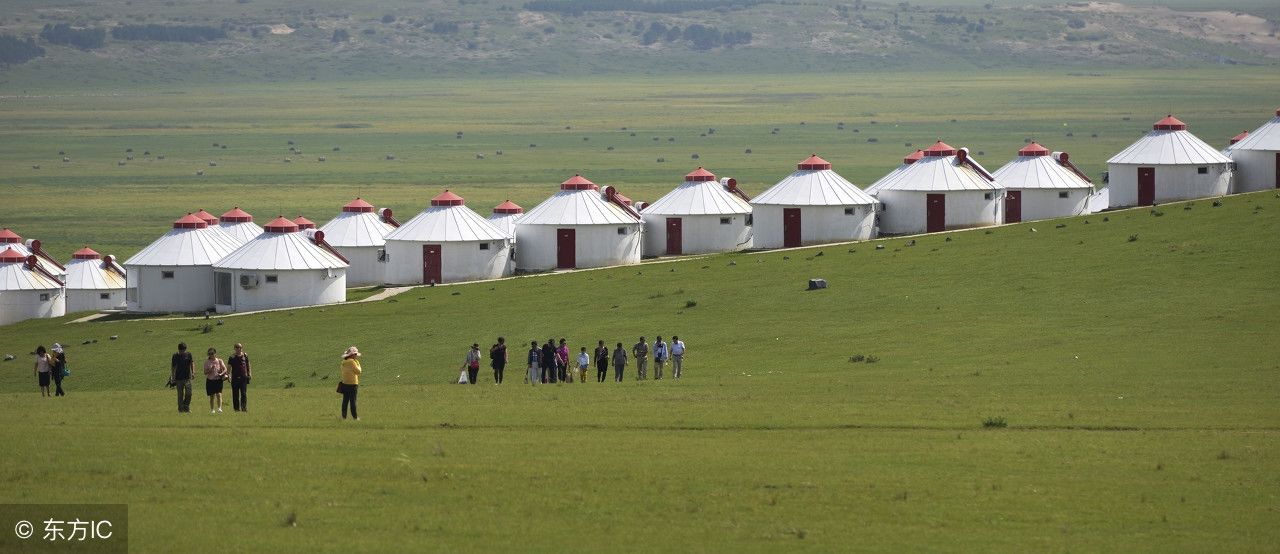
(350, 384)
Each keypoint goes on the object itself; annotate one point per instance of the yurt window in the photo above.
(622, 230)
(104, 296)
(1202, 170)
(988, 196)
(273, 278)
(484, 246)
(166, 274)
(749, 219)
(850, 211)
(382, 255)
(1064, 194)
(726, 220)
(44, 296)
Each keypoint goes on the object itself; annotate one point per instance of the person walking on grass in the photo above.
(549, 371)
(619, 362)
(241, 373)
(677, 356)
(498, 359)
(182, 368)
(641, 350)
(215, 372)
(59, 369)
(602, 362)
(562, 361)
(660, 353)
(472, 363)
(535, 363)
(584, 362)
(350, 384)
(43, 370)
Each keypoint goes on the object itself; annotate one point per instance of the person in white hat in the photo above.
(59, 369)
(350, 384)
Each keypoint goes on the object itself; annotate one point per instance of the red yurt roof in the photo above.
(700, 174)
(447, 198)
(9, 236)
(281, 224)
(190, 221)
(940, 149)
(578, 182)
(508, 207)
(207, 217)
(1243, 135)
(357, 206)
(304, 223)
(237, 215)
(86, 253)
(913, 157)
(1033, 149)
(1170, 123)
(813, 162)
(10, 256)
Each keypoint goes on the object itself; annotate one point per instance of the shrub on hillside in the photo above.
(340, 35)
(14, 50)
(168, 33)
(63, 33)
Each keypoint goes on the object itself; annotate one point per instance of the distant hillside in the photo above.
(260, 40)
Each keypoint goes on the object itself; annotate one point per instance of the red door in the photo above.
(675, 236)
(1146, 186)
(1013, 206)
(790, 227)
(1278, 170)
(566, 245)
(935, 213)
(431, 264)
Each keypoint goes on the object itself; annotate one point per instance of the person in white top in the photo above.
(677, 356)
(584, 362)
(660, 354)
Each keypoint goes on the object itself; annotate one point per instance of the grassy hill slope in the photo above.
(1131, 354)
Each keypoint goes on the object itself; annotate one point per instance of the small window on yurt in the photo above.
(44, 296)
(273, 278)
(382, 255)
(104, 296)
(988, 196)
(622, 230)
(1202, 170)
(166, 274)
(850, 211)
(1064, 194)
(484, 246)
(749, 219)
(726, 220)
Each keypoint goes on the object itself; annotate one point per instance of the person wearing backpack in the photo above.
(241, 373)
(181, 368)
(472, 363)
(59, 370)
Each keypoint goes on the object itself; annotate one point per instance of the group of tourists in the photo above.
(236, 368)
(551, 362)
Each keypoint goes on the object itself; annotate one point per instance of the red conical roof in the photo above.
(281, 224)
(303, 223)
(357, 206)
(508, 207)
(1033, 149)
(447, 198)
(207, 217)
(10, 256)
(913, 157)
(578, 182)
(1243, 135)
(236, 215)
(7, 236)
(190, 221)
(85, 253)
(940, 149)
(700, 174)
(814, 163)
(1170, 123)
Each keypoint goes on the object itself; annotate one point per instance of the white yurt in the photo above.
(1040, 184)
(27, 291)
(359, 233)
(94, 282)
(579, 227)
(505, 216)
(701, 215)
(239, 225)
(1257, 158)
(281, 268)
(945, 189)
(447, 243)
(175, 273)
(1168, 163)
(214, 226)
(813, 205)
(32, 247)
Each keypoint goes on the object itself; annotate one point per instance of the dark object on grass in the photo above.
(815, 284)
(948, 239)
(995, 423)
(1133, 238)
(114, 337)
(9, 357)
(1217, 203)
(1060, 226)
(879, 247)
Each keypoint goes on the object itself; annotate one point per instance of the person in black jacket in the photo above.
(549, 361)
(498, 359)
(181, 369)
(602, 362)
(59, 366)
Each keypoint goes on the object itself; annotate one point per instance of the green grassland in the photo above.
(1132, 355)
(573, 121)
